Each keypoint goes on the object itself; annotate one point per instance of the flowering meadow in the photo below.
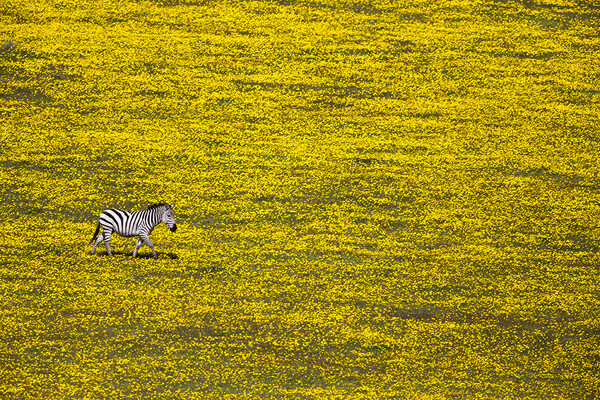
(376, 199)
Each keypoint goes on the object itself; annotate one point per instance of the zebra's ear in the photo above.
(172, 206)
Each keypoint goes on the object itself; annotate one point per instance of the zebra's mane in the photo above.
(157, 205)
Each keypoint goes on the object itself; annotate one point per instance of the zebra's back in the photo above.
(124, 223)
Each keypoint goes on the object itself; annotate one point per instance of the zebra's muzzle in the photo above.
(174, 228)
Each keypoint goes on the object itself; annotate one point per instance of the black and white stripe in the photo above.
(137, 223)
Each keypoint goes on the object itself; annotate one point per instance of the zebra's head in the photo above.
(168, 217)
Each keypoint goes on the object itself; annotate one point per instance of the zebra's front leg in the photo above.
(137, 247)
(97, 242)
(150, 244)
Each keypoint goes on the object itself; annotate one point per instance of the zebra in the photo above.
(136, 223)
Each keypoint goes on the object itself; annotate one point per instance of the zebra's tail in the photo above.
(96, 233)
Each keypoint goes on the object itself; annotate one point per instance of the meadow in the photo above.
(376, 199)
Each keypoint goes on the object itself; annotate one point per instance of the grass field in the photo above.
(375, 199)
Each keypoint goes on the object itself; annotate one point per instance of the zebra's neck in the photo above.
(155, 215)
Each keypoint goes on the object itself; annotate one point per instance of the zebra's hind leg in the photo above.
(137, 247)
(97, 242)
(107, 235)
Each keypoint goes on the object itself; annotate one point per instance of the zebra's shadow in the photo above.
(145, 256)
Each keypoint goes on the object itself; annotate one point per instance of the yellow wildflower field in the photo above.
(375, 199)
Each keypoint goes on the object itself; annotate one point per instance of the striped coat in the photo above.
(136, 223)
